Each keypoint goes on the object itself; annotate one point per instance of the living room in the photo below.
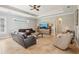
(45, 21)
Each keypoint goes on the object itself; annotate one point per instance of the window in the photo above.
(2, 25)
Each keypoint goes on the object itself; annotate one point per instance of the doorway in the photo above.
(58, 26)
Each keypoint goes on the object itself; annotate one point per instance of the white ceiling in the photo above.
(7, 9)
(44, 9)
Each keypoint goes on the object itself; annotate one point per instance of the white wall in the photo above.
(12, 25)
(67, 20)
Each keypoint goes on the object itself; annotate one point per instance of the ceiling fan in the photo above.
(35, 7)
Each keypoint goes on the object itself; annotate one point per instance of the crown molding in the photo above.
(58, 14)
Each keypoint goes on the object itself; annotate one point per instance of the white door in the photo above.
(58, 26)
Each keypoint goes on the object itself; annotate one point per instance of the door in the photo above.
(58, 25)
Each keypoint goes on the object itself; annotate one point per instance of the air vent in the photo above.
(68, 8)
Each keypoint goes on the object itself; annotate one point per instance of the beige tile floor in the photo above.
(44, 46)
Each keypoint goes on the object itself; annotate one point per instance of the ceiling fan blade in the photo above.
(38, 6)
(37, 9)
(30, 5)
(34, 5)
